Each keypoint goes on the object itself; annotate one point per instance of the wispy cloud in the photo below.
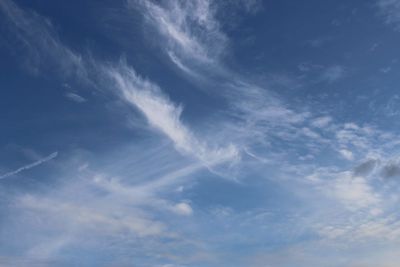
(147, 97)
(333, 73)
(30, 166)
(75, 97)
(164, 116)
(196, 43)
(92, 217)
(92, 205)
(39, 44)
(140, 197)
(257, 115)
(189, 27)
(390, 10)
(321, 122)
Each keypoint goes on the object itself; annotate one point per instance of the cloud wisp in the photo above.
(39, 45)
(164, 116)
(191, 30)
(75, 97)
(390, 11)
(30, 166)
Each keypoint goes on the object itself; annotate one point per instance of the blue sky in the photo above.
(199, 133)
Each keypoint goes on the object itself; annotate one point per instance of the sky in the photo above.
(203, 133)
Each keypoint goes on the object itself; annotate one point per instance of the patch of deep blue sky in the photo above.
(325, 58)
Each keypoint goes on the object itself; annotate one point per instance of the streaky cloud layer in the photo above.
(302, 128)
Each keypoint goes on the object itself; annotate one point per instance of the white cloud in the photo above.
(126, 206)
(189, 28)
(129, 207)
(146, 194)
(30, 166)
(195, 43)
(310, 133)
(164, 116)
(347, 154)
(352, 134)
(91, 217)
(321, 122)
(75, 97)
(183, 209)
(354, 192)
(384, 228)
(160, 112)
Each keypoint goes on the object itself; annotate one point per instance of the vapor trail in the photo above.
(29, 166)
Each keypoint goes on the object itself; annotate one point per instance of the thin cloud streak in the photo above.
(30, 166)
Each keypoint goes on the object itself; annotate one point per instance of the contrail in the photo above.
(29, 166)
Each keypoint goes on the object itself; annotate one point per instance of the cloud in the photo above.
(333, 74)
(252, 6)
(354, 192)
(390, 11)
(321, 122)
(190, 28)
(128, 201)
(183, 209)
(164, 116)
(194, 41)
(366, 167)
(146, 194)
(347, 154)
(138, 203)
(310, 133)
(354, 135)
(147, 97)
(385, 228)
(30, 166)
(367, 213)
(255, 114)
(391, 170)
(91, 218)
(75, 97)
(38, 43)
